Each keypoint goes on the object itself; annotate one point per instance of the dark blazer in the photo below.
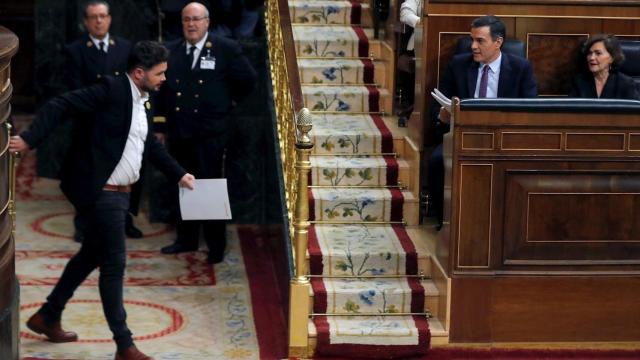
(85, 64)
(618, 86)
(516, 81)
(195, 102)
(516, 77)
(103, 112)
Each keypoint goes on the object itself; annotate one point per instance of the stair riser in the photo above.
(430, 303)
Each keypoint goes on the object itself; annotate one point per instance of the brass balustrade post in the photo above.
(299, 300)
(13, 167)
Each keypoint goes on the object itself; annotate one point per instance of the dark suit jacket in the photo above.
(85, 64)
(104, 115)
(618, 86)
(195, 103)
(516, 80)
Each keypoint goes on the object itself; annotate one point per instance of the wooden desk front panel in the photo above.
(546, 199)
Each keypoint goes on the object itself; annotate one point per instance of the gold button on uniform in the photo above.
(177, 108)
(200, 81)
(178, 94)
(117, 73)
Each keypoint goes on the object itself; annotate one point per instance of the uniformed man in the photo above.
(207, 74)
(96, 54)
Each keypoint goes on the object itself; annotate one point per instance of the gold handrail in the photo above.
(295, 147)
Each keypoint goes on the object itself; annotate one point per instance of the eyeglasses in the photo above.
(188, 19)
(98, 16)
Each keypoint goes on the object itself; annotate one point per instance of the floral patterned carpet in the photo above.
(178, 306)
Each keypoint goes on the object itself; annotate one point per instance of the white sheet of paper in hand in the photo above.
(441, 99)
(208, 201)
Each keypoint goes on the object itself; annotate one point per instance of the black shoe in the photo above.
(215, 258)
(130, 229)
(176, 248)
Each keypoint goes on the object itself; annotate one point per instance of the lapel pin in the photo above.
(147, 105)
(89, 43)
(208, 44)
(111, 42)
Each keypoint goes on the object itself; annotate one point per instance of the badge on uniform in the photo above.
(208, 62)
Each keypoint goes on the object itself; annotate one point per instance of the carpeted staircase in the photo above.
(361, 258)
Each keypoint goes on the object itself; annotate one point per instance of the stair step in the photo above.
(337, 71)
(355, 204)
(329, 12)
(366, 134)
(331, 41)
(398, 337)
(354, 249)
(439, 336)
(354, 98)
(358, 171)
(349, 295)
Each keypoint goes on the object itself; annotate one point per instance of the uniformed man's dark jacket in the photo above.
(196, 102)
(103, 112)
(85, 64)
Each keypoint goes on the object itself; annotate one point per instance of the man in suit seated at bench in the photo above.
(485, 72)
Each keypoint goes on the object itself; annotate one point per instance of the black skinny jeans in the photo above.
(103, 247)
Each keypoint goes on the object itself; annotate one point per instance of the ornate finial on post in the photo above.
(304, 123)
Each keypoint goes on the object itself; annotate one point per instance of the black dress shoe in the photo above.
(176, 248)
(214, 258)
(130, 229)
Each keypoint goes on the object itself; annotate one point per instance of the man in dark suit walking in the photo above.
(207, 74)
(96, 54)
(486, 72)
(109, 146)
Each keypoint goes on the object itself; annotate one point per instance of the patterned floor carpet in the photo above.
(179, 307)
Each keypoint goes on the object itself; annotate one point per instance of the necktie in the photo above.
(484, 82)
(101, 46)
(192, 49)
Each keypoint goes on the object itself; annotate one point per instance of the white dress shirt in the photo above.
(97, 41)
(494, 76)
(410, 13)
(127, 171)
(196, 53)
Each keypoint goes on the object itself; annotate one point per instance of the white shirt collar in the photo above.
(495, 64)
(97, 41)
(199, 45)
(139, 97)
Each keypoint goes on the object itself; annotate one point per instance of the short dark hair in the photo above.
(610, 43)
(496, 26)
(147, 54)
(95, 3)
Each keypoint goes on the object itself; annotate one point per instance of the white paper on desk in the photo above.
(208, 201)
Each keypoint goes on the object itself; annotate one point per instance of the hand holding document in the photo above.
(208, 200)
(441, 99)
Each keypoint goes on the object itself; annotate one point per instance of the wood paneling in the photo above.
(553, 58)
(571, 217)
(545, 309)
(477, 141)
(604, 142)
(531, 141)
(474, 229)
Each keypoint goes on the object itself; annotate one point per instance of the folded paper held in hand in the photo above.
(209, 200)
(441, 99)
